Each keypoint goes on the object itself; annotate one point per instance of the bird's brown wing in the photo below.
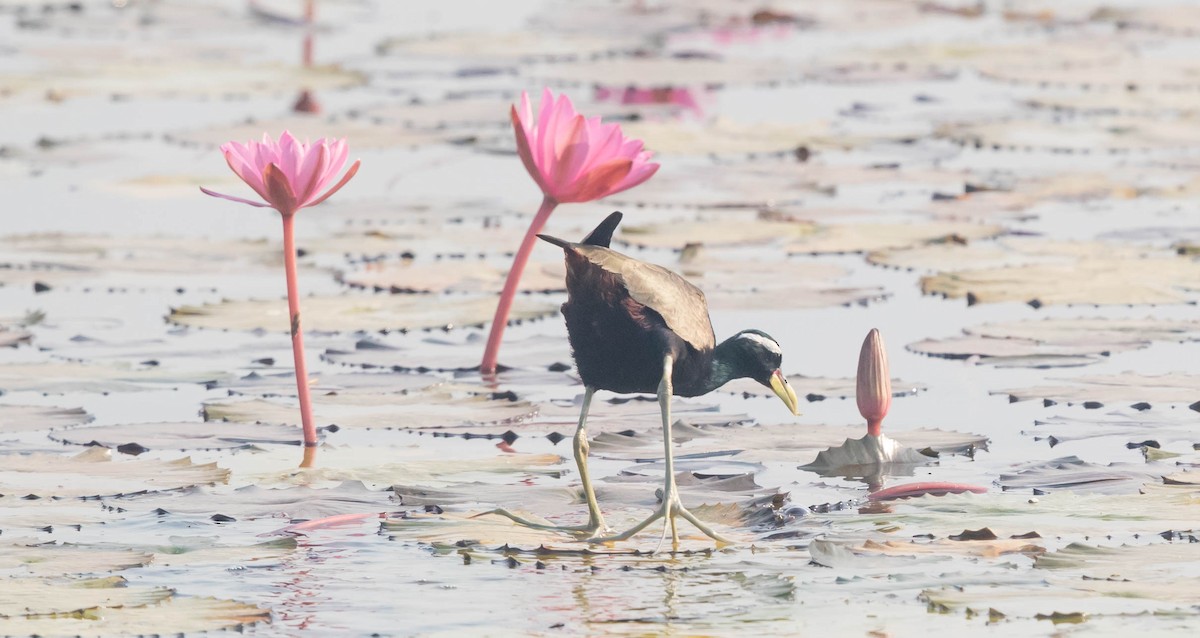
(680, 304)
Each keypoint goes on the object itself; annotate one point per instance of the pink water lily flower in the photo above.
(572, 159)
(577, 159)
(288, 174)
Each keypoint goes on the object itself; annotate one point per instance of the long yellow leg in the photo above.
(579, 447)
(671, 505)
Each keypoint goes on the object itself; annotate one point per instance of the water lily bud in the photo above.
(874, 390)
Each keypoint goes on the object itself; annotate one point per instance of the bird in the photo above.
(636, 327)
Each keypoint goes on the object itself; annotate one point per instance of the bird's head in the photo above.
(759, 357)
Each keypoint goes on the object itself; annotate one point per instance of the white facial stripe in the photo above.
(771, 346)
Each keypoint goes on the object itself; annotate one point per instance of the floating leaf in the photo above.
(31, 598)
(1098, 276)
(1072, 473)
(487, 48)
(1055, 342)
(29, 418)
(64, 377)
(254, 502)
(454, 277)
(117, 610)
(346, 313)
(435, 410)
(819, 388)
(181, 436)
(1127, 387)
(444, 353)
(357, 133)
(48, 559)
(1084, 136)
(1160, 426)
(719, 231)
(171, 76)
(94, 472)
(12, 337)
(858, 238)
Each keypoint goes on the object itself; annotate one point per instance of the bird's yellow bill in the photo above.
(784, 391)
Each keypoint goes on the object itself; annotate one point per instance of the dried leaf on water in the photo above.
(348, 313)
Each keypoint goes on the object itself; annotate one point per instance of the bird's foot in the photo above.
(670, 509)
(587, 531)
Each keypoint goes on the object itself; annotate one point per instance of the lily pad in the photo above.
(1054, 342)
(451, 277)
(63, 377)
(113, 609)
(859, 238)
(94, 473)
(1126, 388)
(49, 559)
(448, 354)
(1074, 474)
(254, 502)
(648, 72)
(720, 231)
(435, 410)
(1099, 279)
(820, 388)
(357, 133)
(181, 436)
(1161, 426)
(30, 418)
(486, 48)
(348, 313)
(176, 78)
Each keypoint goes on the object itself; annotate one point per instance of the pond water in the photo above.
(1006, 190)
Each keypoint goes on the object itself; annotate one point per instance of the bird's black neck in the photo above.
(727, 365)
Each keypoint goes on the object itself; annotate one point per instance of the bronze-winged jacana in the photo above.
(638, 327)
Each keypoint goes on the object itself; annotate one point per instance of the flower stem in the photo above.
(874, 427)
(289, 267)
(500, 321)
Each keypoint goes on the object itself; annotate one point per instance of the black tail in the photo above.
(601, 236)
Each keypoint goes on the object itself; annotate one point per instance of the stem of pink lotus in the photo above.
(874, 427)
(289, 266)
(500, 321)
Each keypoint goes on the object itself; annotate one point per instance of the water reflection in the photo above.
(687, 99)
(306, 102)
